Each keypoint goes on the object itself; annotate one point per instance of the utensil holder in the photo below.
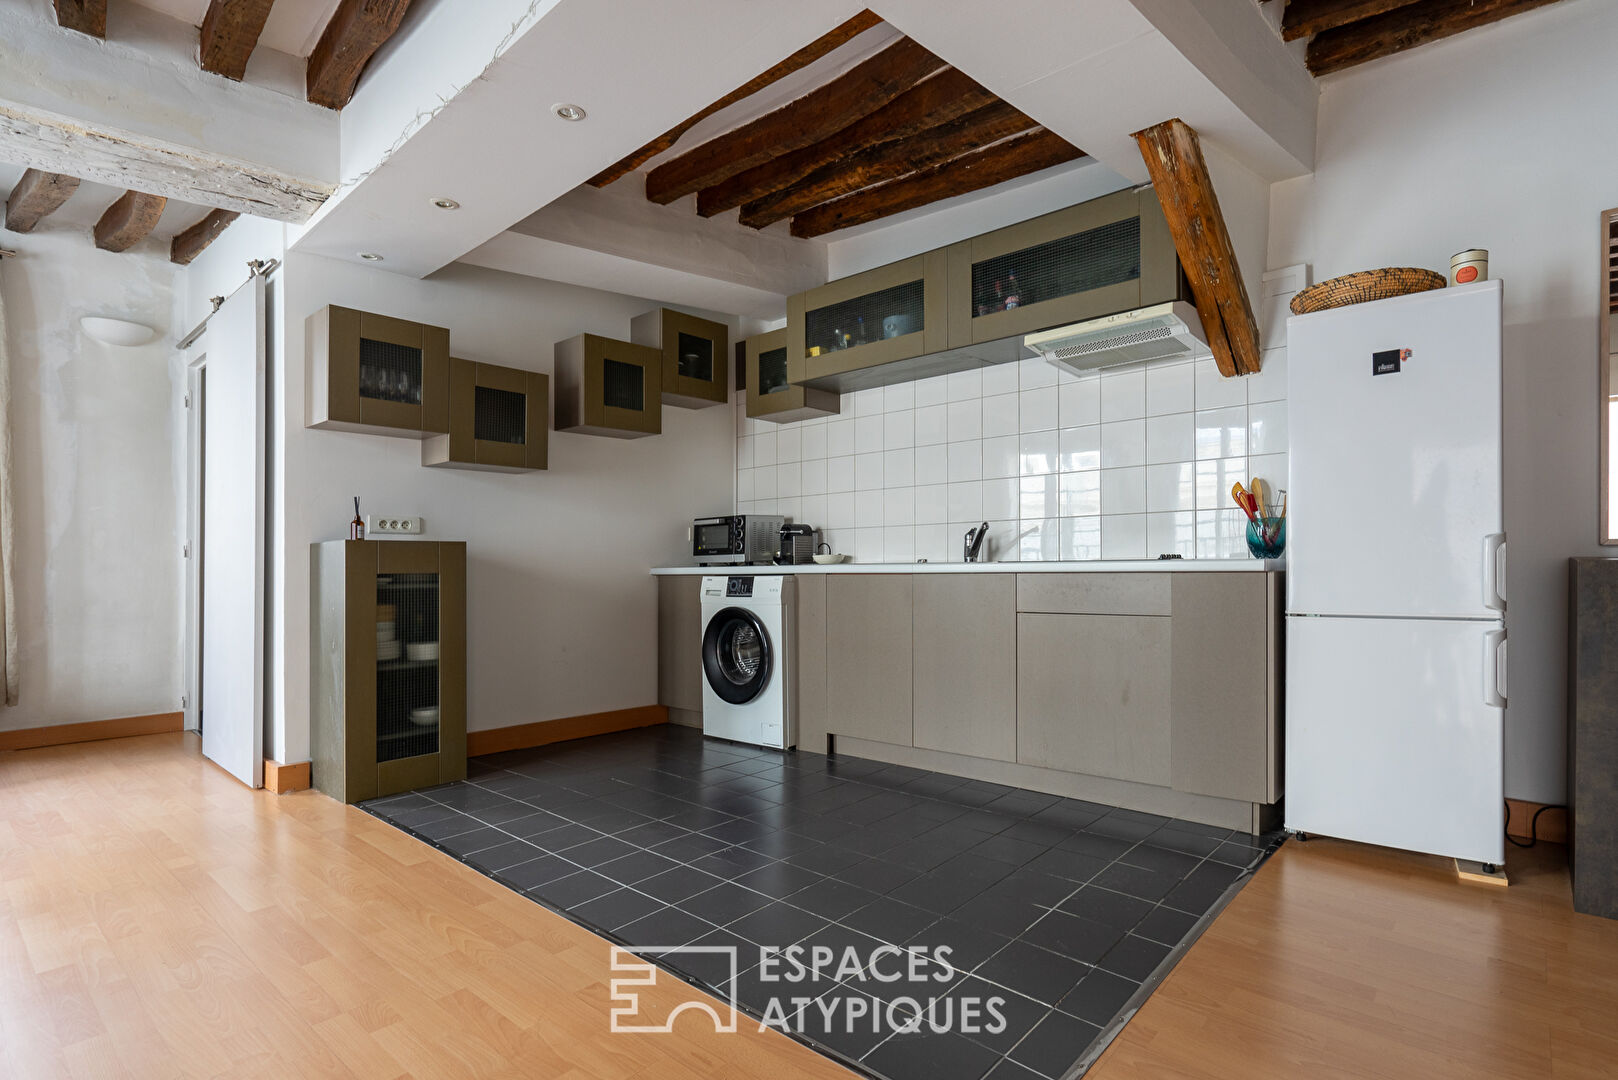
(1267, 537)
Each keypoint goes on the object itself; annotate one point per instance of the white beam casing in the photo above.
(137, 111)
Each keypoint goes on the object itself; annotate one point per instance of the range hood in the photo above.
(1161, 332)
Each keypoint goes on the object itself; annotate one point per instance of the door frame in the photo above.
(192, 553)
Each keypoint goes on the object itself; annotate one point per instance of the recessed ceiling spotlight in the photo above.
(370, 256)
(444, 203)
(568, 112)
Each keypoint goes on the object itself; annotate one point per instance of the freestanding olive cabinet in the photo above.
(388, 694)
(376, 374)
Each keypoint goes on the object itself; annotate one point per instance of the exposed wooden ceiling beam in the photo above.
(128, 221)
(862, 90)
(1305, 17)
(85, 16)
(802, 58)
(934, 101)
(230, 32)
(1173, 156)
(890, 161)
(36, 196)
(195, 240)
(358, 28)
(1017, 156)
(1409, 26)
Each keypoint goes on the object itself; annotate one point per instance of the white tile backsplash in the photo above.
(1125, 463)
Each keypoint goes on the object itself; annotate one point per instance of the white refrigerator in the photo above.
(1396, 641)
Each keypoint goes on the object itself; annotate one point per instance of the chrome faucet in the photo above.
(974, 541)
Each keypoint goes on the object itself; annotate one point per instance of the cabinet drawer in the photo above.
(1095, 594)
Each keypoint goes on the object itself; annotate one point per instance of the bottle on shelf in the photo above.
(1013, 293)
(356, 528)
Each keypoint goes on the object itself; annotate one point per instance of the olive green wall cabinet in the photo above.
(770, 393)
(376, 374)
(696, 356)
(499, 420)
(607, 387)
(871, 329)
(388, 689)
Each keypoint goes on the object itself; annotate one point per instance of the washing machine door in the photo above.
(737, 655)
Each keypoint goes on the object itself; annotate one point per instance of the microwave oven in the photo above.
(736, 538)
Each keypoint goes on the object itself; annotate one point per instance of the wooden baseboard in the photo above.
(280, 779)
(1552, 826)
(545, 732)
(91, 731)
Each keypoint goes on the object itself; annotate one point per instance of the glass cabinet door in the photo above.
(770, 393)
(407, 658)
(839, 334)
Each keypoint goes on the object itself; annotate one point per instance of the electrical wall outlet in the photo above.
(377, 525)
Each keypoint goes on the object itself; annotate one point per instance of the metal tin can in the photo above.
(1468, 266)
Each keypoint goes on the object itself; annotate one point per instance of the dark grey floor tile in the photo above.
(1163, 860)
(500, 815)
(575, 889)
(968, 944)
(1105, 906)
(445, 827)
(690, 847)
(1202, 888)
(1008, 849)
(1073, 937)
(825, 859)
(935, 1057)
(838, 952)
(1106, 848)
(877, 875)
(526, 875)
(1023, 803)
(666, 926)
(1033, 972)
(724, 903)
(501, 856)
(675, 885)
(1196, 828)
(1137, 881)
(1238, 855)
(1010, 1070)
(1134, 958)
(1055, 1044)
(1099, 997)
(616, 909)
(841, 1028)
(1067, 864)
(999, 913)
(696, 817)
(890, 919)
(482, 838)
(732, 863)
(535, 824)
(636, 866)
(777, 924)
(1189, 843)
(715, 969)
(823, 829)
(1166, 925)
(831, 898)
(565, 837)
(940, 891)
(991, 1015)
(779, 879)
(594, 853)
(1121, 828)
(652, 833)
(872, 842)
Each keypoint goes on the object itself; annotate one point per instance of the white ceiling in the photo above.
(293, 27)
(86, 205)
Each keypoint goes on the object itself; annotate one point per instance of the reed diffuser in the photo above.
(356, 528)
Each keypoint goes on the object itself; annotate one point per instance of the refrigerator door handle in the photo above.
(1494, 669)
(1494, 571)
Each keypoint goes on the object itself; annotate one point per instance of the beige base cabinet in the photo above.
(499, 420)
(965, 667)
(869, 656)
(679, 642)
(376, 374)
(388, 693)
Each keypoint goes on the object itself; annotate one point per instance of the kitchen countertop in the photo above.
(1090, 566)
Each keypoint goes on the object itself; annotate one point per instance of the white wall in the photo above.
(1498, 138)
(561, 612)
(97, 502)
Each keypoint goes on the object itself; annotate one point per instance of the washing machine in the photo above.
(749, 685)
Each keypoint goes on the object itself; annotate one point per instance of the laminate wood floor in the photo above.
(158, 920)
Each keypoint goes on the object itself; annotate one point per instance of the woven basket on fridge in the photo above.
(1366, 285)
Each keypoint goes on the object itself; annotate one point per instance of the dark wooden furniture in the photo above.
(1592, 737)
(499, 420)
(370, 735)
(376, 374)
